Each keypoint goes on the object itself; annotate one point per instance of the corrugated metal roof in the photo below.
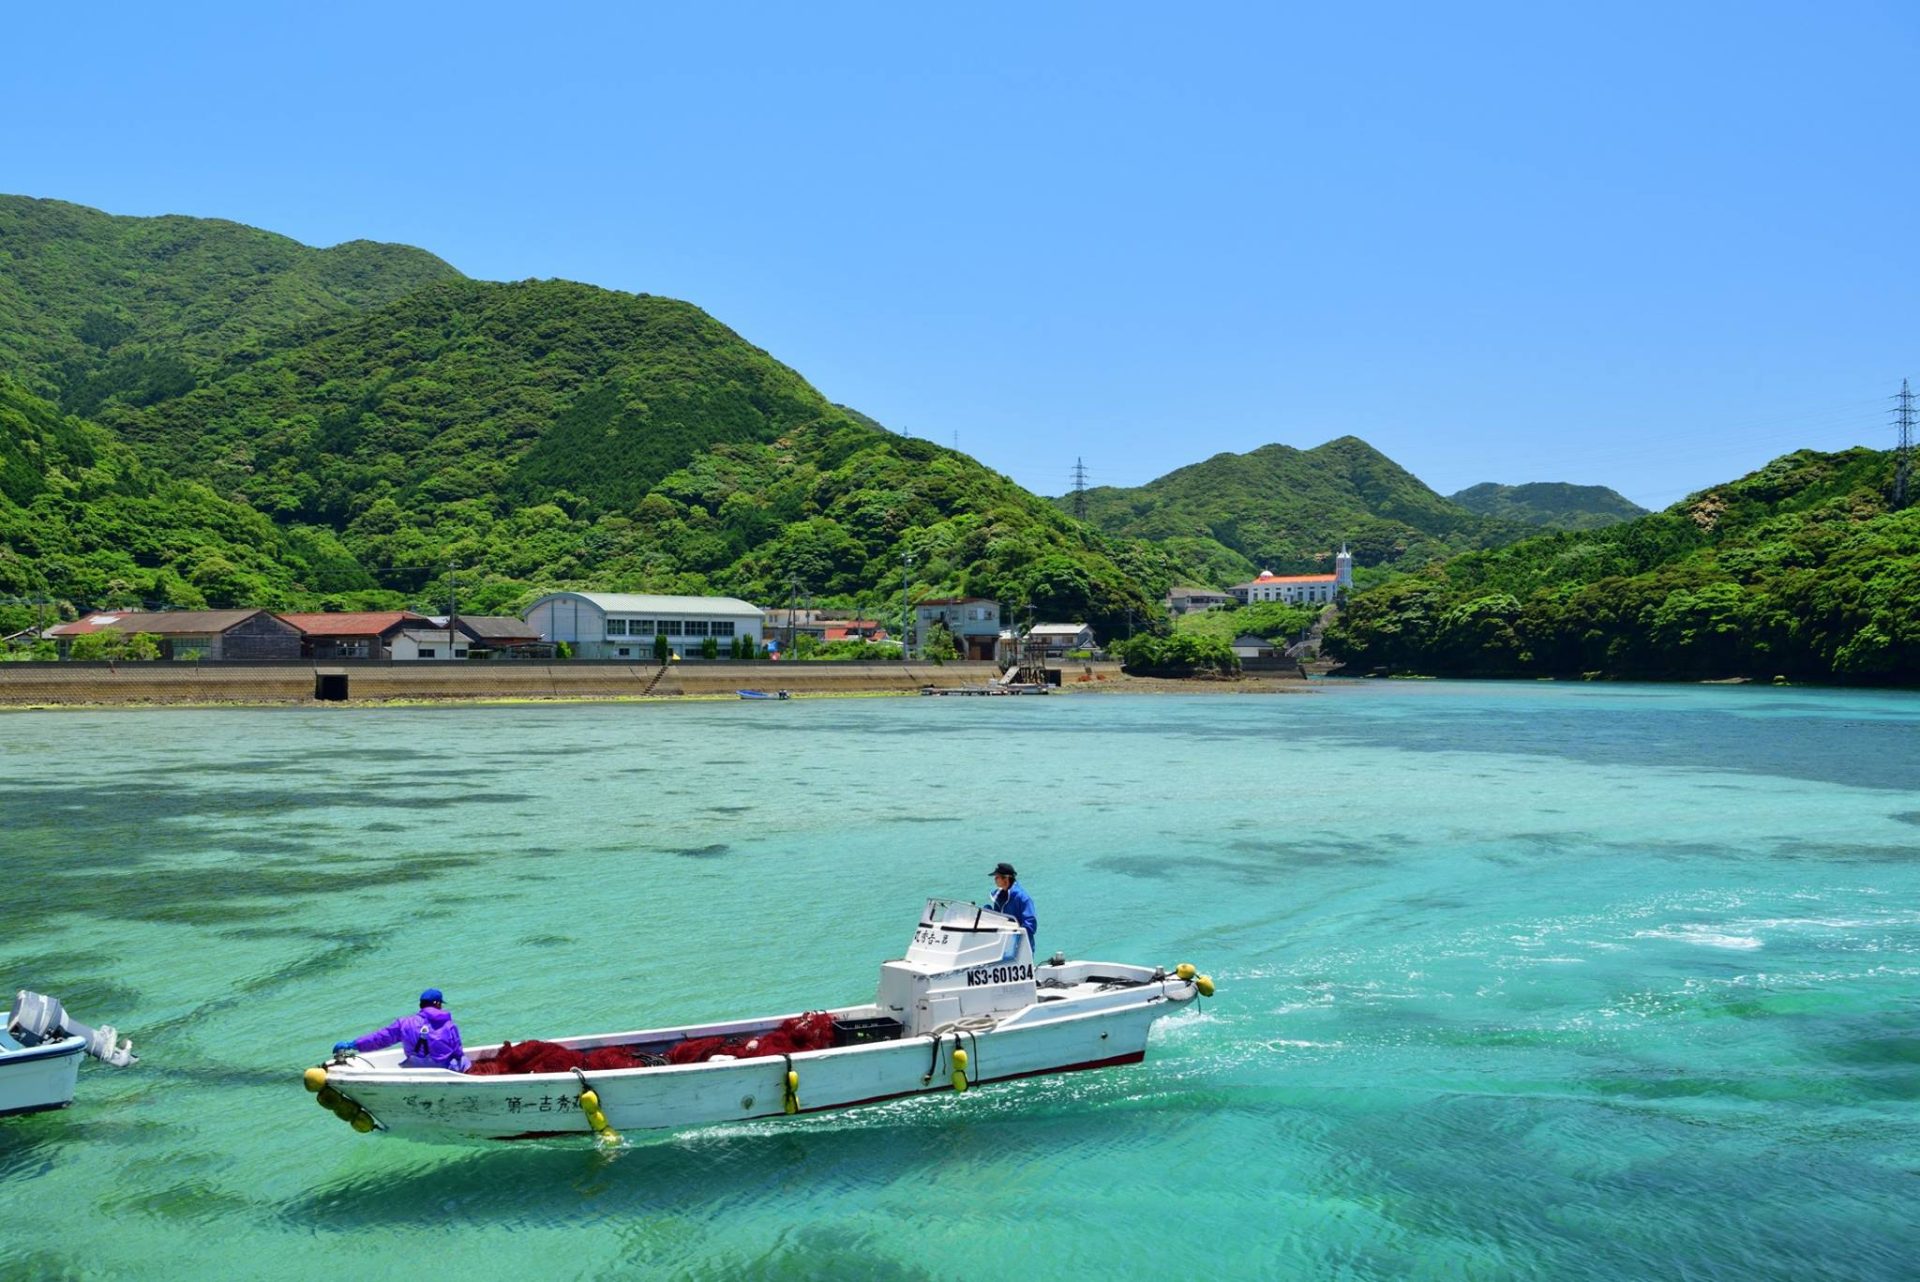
(161, 623)
(494, 627)
(350, 624)
(1058, 629)
(642, 603)
(498, 627)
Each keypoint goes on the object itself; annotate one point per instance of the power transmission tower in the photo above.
(1079, 490)
(1903, 456)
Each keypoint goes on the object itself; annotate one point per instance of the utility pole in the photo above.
(1903, 456)
(453, 604)
(1079, 489)
(793, 596)
(906, 606)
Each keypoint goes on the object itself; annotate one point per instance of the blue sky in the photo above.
(1645, 246)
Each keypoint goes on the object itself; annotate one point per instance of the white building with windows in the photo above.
(623, 625)
(428, 643)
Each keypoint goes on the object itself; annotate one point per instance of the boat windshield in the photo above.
(959, 912)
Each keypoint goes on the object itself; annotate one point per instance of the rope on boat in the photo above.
(971, 1027)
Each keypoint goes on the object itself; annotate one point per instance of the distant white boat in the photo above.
(967, 1006)
(40, 1054)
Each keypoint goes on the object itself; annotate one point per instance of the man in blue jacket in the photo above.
(431, 1038)
(1011, 898)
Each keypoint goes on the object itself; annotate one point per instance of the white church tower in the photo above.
(1343, 568)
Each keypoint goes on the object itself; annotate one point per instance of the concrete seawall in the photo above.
(42, 684)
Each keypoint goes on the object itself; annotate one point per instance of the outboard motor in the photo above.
(38, 1018)
(965, 962)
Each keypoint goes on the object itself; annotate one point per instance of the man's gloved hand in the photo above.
(339, 1047)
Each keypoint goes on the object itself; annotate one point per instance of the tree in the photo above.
(939, 646)
(710, 647)
(1183, 654)
(662, 650)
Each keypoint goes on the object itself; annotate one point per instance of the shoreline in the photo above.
(844, 688)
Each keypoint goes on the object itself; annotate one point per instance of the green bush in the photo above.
(856, 651)
(1181, 655)
(710, 648)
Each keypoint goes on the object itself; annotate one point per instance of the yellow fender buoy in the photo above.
(1184, 970)
(314, 1078)
(959, 1079)
(1204, 983)
(791, 1103)
(593, 1114)
(327, 1097)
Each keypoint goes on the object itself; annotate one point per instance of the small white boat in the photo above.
(40, 1054)
(967, 1006)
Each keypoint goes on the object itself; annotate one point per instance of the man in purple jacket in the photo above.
(431, 1038)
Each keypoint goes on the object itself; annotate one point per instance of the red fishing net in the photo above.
(812, 1031)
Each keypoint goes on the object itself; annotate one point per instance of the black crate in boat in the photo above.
(853, 1032)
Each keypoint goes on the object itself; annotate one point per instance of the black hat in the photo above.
(1005, 870)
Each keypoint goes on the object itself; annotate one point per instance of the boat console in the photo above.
(965, 961)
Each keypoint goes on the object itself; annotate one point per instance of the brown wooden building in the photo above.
(206, 634)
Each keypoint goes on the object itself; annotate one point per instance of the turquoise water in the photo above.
(1515, 980)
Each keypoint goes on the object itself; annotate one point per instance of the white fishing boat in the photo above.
(40, 1052)
(966, 1006)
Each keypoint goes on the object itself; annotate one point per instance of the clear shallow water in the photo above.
(1516, 980)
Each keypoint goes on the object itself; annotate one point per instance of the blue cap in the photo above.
(431, 995)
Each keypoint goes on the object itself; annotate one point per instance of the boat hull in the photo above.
(436, 1105)
(40, 1078)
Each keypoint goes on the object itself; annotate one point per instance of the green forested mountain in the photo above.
(1800, 569)
(1288, 510)
(82, 519)
(95, 308)
(371, 426)
(1553, 504)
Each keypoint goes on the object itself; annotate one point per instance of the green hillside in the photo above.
(1555, 505)
(82, 520)
(1288, 510)
(1798, 569)
(547, 434)
(95, 308)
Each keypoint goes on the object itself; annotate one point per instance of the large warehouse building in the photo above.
(621, 625)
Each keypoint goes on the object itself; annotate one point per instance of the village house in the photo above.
(1248, 646)
(1058, 640)
(1193, 600)
(351, 635)
(1298, 589)
(193, 634)
(623, 625)
(501, 636)
(427, 642)
(973, 622)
